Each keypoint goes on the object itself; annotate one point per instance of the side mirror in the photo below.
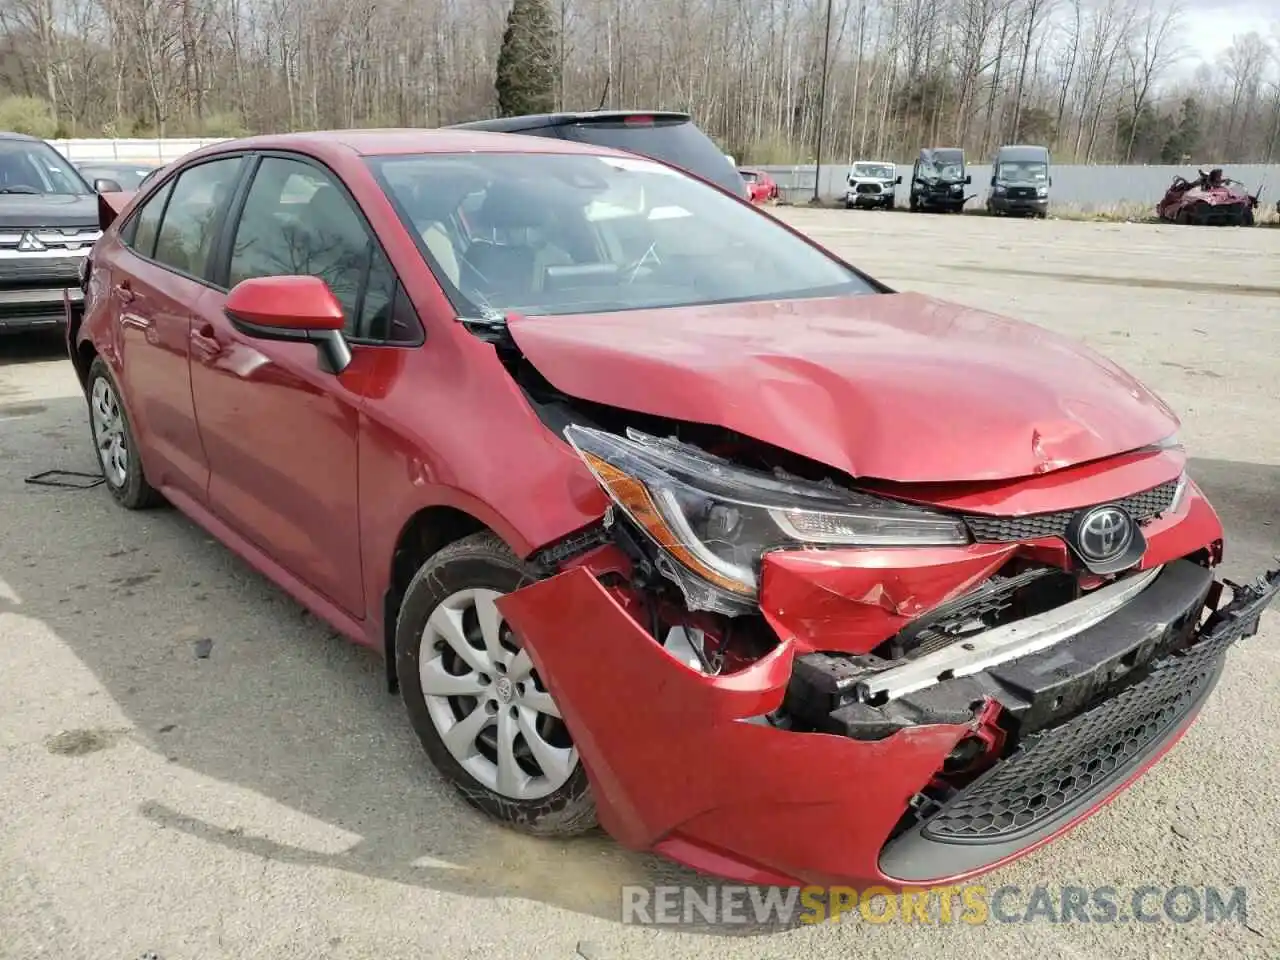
(103, 185)
(292, 308)
(1051, 181)
(968, 178)
(898, 182)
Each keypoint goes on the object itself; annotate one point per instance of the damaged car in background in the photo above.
(665, 518)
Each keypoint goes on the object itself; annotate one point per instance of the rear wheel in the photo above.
(913, 204)
(482, 713)
(115, 442)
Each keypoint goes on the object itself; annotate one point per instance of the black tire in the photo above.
(848, 204)
(480, 561)
(135, 492)
(1246, 219)
(913, 204)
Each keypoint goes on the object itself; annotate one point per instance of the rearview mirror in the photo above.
(291, 308)
(103, 185)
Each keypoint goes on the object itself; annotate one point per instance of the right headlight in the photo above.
(716, 520)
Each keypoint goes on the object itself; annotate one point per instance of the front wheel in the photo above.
(482, 713)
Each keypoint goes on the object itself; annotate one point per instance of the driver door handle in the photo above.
(204, 342)
(123, 291)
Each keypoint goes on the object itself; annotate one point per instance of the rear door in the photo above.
(156, 284)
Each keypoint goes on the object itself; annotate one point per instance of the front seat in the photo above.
(514, 256)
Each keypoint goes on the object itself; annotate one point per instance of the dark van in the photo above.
(662, 135)
(938, 180)
(1020, 182)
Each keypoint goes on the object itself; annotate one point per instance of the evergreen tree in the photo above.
(528, 64)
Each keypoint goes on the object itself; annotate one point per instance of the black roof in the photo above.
(9, 135)
(529, 121)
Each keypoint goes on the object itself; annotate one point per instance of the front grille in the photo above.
(49, 238)
(867, 188)
(1060, 766)
(40, 271)
(1143, 507)
(1022, 193)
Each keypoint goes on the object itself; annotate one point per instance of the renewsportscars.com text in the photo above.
(970, 904)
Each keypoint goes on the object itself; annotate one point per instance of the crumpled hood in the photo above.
(897, 387)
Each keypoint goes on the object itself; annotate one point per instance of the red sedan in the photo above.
(664, 517)
(761, 188)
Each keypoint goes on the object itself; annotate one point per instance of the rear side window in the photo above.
(192, 218)
(678, 142)
(140, 234)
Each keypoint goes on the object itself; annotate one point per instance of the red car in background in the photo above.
(664, 517)
(761, 187)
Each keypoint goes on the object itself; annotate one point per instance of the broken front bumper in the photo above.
(683, 763)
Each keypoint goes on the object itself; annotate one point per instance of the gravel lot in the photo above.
(269, 799)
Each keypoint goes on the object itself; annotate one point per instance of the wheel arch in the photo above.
(81, 351)
(425, 533)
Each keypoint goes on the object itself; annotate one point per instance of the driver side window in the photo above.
(298, 221)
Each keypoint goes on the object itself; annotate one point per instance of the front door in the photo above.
(281, 435)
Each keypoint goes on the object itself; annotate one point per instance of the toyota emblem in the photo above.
(1104, 533)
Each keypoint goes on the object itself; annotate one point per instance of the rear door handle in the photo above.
(124, 292)
(204, 342)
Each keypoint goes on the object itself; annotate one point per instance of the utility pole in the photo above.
(822, 103)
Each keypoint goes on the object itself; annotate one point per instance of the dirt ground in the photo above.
(192, 766)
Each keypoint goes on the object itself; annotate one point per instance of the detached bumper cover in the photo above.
(682, 762)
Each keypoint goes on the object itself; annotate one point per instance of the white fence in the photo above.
(130, 151)
(1088, 186)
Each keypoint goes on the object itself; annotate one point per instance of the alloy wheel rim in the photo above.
(108, 433)
(488, 704)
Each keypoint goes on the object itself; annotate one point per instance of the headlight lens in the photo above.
(1042, 191)
(1000, 189)
(717, 520)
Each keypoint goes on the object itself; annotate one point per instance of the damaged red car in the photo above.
(664, 517)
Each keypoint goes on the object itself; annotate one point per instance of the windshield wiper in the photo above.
(24, 190)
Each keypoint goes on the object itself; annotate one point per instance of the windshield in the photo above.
(1024, 171)
(30, 166)
(873, 171)
(943, 168)
(545, 234)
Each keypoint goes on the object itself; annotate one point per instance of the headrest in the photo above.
(513, 205)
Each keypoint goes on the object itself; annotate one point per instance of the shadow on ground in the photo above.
(32, 347)
(279, 706)
(221, 674)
